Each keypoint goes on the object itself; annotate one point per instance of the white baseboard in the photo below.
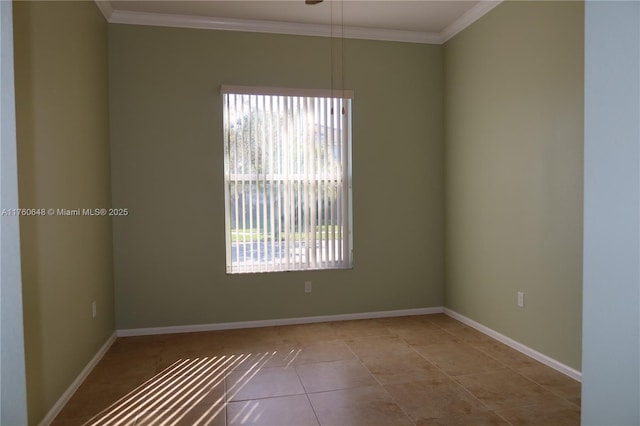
(274, 322)
(556, 365)
(66, 396)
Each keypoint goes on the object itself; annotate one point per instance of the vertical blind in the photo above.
(287, 179)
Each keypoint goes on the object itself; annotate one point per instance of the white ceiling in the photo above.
(427, 21)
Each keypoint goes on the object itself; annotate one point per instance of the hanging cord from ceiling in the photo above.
(342, 55)
(332, 53)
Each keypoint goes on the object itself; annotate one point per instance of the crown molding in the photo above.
(106, 8)
(276, 27)
(468, 18)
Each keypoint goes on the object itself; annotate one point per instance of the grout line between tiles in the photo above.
(452, 378)
(515, 370)
(380, 383)
(505, 366)
(313, 408)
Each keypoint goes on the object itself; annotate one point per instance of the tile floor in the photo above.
(419, 370)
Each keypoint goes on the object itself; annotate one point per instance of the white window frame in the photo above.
(302, 160)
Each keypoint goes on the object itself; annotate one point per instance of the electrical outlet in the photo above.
(93, 309)
(307, 286)
(521, 299)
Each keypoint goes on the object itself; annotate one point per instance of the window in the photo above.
(287, 179)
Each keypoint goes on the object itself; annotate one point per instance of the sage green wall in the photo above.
(513, 160)
(63, 162)
(167, 169)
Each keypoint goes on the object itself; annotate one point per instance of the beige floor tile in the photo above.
(206, 339)
(196, 390)
(412, 324)
(190, 345)
(248, 346)
(504, 354)
(87, 421)
(458, 358)
(202, 383)
(555, 381)
(307, 333)
(137, 346)
(96, 399)
(334, 375)
(469, 335)
(133, 370)
(409, 321)
(505, 389)
(401, 367)
(172, 358)
(189, 366)
(201, 415)
(477, 419)
(281, 411)
(444, 321)
(198, 387)
(258, 334)
(251, 340)
(269, 356)
(557, 413)
(169, 358)
(263, 383)
(359, 328)
(154, 377)
(366, 406)
(428, 318)
(334, 350)
(392, 322)
(377, 344)
(421, 336)
(434, 399)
